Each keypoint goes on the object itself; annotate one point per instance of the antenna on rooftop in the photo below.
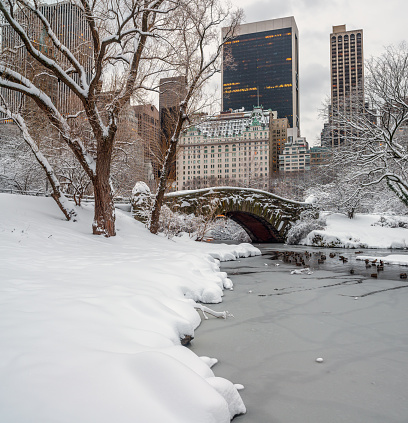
(257, 91)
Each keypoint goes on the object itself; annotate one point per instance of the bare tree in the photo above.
(197, 52)
(293, 185)
(376, 134)
(57, 193)
(121, 34)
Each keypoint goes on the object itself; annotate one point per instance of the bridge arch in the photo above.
(257, 228)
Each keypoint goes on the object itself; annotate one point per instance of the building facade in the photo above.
(326, 135)
(347, 79)
(265, 68)
(278, 135)
(233, 148)
(68, 22)
(295, 156)
(319, 156)
(172, 91)
(147, 125)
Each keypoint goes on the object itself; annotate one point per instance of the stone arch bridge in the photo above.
(264, 216)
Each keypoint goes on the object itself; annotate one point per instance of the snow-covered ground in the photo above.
(359, 232)
(90, 327)
(390, 259)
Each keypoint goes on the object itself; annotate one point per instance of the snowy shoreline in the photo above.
(363, 231)
(90, 327)
(390, 259)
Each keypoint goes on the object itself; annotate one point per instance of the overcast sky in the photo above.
(383, 23)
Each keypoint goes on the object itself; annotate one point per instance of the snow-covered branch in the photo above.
(57, 194)
(9, 13)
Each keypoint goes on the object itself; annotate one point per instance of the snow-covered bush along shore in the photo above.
(309, 221)
(392, 222)
(90, 327)
(364, 231)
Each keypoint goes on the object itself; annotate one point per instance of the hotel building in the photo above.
(233, 148)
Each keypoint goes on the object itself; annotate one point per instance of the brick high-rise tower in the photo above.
(347, 77)
(172, 91)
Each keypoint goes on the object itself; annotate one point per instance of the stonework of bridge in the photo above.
(264, 216)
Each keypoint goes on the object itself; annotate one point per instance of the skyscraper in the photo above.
(265, 68)
(347, 77)
(172, 91)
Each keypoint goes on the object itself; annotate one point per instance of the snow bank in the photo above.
(391, 259)
(360, 232)
(222, 252)
(90, 327)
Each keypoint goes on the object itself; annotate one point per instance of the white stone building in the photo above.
(232, 148)
(296, 155)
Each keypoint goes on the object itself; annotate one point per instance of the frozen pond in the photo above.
(283, 322)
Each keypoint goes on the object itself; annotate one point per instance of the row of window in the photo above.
(346, 37)
(243, 175)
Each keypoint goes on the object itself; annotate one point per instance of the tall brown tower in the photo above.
(347, 77)
(148, 131)
(172, 92)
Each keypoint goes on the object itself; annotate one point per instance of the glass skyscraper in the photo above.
(264, 68)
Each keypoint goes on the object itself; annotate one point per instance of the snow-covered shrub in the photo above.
(392, 222)
(142, 201)
(172, 224)
(309, 221)
(385, 202)
(326, 240)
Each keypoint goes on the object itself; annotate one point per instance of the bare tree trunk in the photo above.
(57, 195)
(161, 189)
(104, 215)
